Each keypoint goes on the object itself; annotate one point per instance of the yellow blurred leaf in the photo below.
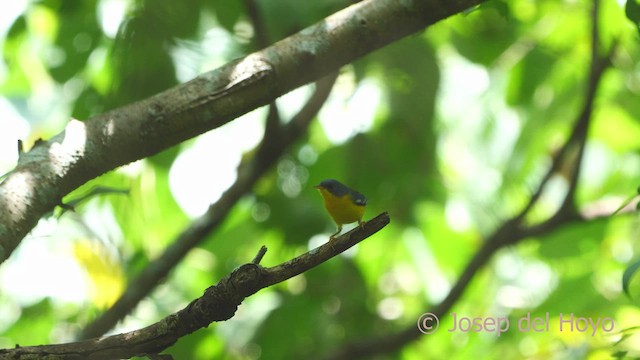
(105, 275)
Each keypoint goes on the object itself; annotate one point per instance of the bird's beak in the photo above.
(317, 186)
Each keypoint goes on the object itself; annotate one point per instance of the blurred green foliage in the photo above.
(471, 112)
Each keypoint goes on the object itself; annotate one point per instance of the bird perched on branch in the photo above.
(344, 204)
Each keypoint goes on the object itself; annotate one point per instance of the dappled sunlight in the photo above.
(207, 167)
(434, 282)
(317, 240)
(43, 266)
(452, 133)
(464, 86)
(240, 330)
(292, 177)
(402, 278)
(111, 13)
(524, 282)
(290, 103)
(457, 215)
(18, 190)
(390, 308)
(71, 148)
(351, 108)
(13, 127)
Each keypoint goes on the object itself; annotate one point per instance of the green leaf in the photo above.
(227, 13)
(140, 62)
(528, 75)
(500, 6)
(575, 240)
(632, 10)
(628, 274)
(77, 37)
(89, 102)
(617, 127)
(484, 35)
(35, 324)
(15, 80)
(582, 298)
(620, 355)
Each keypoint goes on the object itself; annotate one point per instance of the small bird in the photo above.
(345, 205)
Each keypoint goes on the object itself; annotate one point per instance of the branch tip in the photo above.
(256, 260)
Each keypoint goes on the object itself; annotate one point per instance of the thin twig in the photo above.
(256, 260)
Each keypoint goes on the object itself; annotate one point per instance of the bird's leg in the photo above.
(361, 223)
(333, 236)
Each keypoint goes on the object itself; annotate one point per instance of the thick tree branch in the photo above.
(273, 146)
(84, 150)
(218, 303)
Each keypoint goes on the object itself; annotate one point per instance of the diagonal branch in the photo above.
(269, 151)
(261, 41)
(218, 303)
(512, 230)
(259, 27)
(84, 150)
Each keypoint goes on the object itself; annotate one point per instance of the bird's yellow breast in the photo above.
(342, 209)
